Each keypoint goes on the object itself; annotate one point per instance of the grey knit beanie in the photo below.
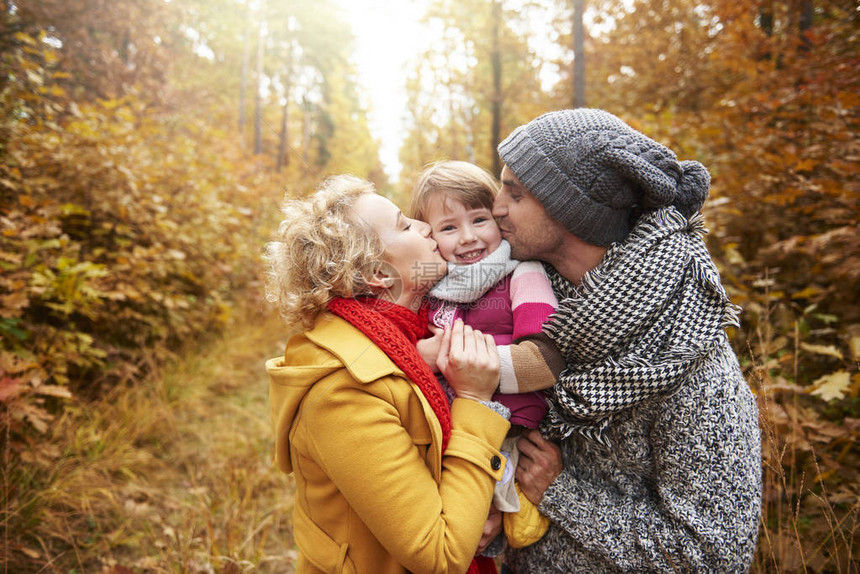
(595, 174)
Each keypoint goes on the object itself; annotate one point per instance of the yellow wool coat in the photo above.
(373, 492)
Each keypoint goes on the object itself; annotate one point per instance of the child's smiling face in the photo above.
(464, 235)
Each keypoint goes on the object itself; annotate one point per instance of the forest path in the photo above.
(208, 499)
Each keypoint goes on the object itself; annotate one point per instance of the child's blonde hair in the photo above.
(465, 182)
(322, 251)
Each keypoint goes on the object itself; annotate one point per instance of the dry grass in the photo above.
(811, 497)
(173, 475)
(811, 501)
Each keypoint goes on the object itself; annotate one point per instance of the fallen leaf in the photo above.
(832, 386)
(55, 391)
(828, 350)
(29, 552)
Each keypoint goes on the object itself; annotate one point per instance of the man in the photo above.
(658, 467)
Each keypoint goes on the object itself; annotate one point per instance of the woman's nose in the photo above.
(423, 227)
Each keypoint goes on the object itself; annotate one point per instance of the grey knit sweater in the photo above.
(679, 490)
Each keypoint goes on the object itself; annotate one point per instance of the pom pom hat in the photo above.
(595, 174)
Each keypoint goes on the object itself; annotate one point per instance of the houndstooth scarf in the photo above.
(639, 324)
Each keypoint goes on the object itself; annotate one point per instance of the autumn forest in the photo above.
(145, 146)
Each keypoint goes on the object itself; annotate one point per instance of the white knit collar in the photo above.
(468, 283)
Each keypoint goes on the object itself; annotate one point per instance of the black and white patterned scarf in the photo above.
(639, 324)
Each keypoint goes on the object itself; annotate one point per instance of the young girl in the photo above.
(500, 296)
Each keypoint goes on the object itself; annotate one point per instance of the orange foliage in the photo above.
(766, 96)
(125, 233)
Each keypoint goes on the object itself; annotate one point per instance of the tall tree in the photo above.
(283, 139)
(246, 63)
(260, 77)
(496, 97)
(490, 80)
(302, 47)
(578, 54)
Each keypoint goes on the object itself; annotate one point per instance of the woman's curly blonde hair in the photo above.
(322, 251)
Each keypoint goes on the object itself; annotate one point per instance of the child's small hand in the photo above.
(429, 348)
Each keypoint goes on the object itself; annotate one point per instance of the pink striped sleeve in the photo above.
(532, 298)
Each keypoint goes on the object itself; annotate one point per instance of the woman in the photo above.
(389, 477)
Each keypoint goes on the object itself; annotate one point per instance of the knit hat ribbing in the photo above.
(595, 174)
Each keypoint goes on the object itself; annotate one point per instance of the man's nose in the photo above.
(500, 209)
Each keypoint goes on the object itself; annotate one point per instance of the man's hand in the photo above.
(539, 465)
(492, 528)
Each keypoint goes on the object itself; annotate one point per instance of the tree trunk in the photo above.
(306, 131)
(283, 150)
(452, 112)
(765, 18)
(496, 62)
(258, 112)
(766, 21)
(283, 146)
(578, 55)
(807, 12)
(243, 85)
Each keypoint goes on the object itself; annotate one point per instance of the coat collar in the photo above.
(365, 361)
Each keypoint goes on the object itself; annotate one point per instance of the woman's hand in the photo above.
(469, 361)
(539, 464)
(429, 348)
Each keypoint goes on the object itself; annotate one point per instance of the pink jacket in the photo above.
(516, 307)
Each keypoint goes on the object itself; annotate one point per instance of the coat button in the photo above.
(496, 463)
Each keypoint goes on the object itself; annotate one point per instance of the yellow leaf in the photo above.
(50, 56)
(832, 386)
(828, 350)
(806, 293)
(26, 38)
(29, 552)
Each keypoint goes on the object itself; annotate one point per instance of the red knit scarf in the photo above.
(396, 329)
